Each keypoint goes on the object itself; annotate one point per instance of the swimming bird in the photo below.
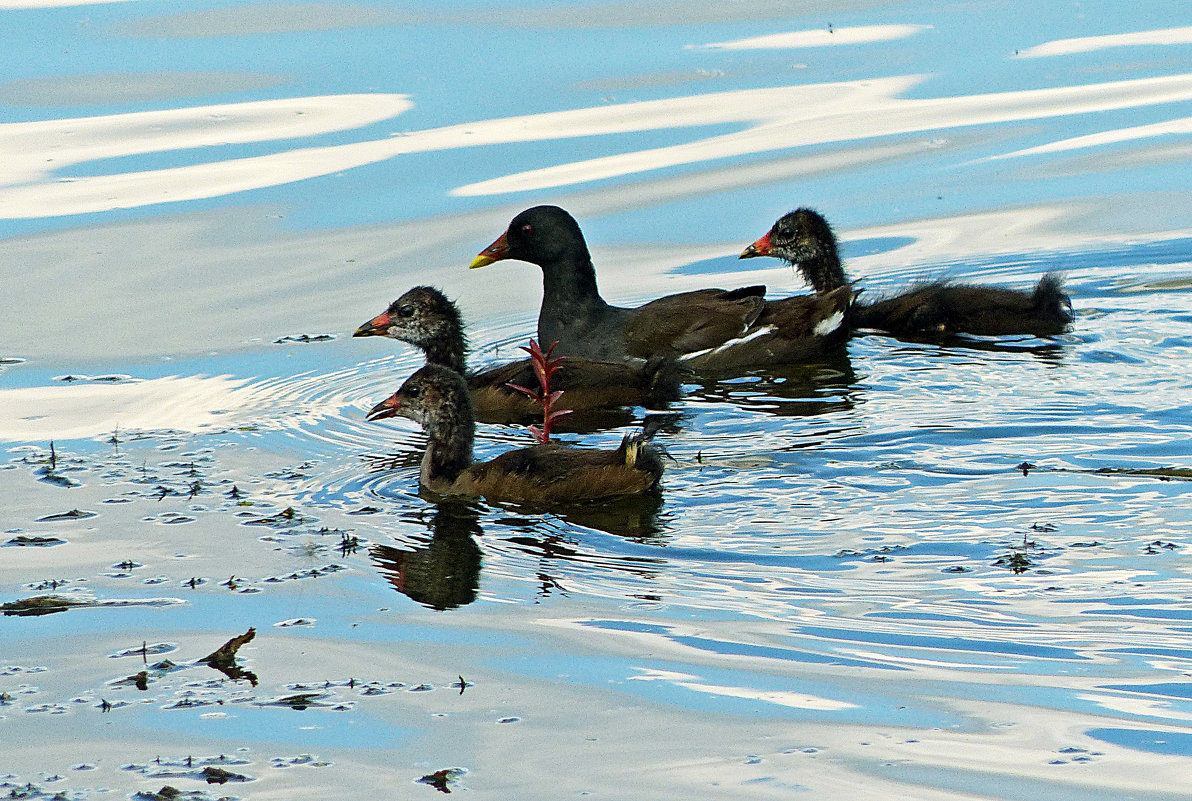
(804, 239)
(706, 329)
(424, 317)
(546, 474)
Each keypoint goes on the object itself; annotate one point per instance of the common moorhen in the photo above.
(712, 329)
(438, 399)
(804, 239)
(425, 318)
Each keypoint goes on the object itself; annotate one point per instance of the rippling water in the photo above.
(916, 570)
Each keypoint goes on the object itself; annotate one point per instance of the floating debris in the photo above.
(441, 779)
(162, 491)
(298, 701)
(144, 650)
(286, 518)
(140, 680)
(304, 339)
(73, 514)
(22, 541)
(301, 759)
(313, 572)
(223, 659)
(349, 544)
(41, 605)
(49, 473)
(168, 793)
(1161, 473)
(1018, 559)
(213, 775)
(102, 379)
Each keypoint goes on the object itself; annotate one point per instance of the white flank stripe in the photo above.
(830, 324)
(761, 332)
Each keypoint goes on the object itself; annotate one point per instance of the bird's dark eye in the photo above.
(527, 229)
(406, 311)
(412, 392)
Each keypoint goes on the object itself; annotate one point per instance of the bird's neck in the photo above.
(571, 281)
(823, 270)
(448, 451)
(447, 349)
(569, 293)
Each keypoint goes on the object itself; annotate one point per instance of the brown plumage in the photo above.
(795, 330)
(804, 239)
(425, 318)
(718, 329)
(551, 474)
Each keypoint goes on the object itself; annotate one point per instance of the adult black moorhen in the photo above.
(804, 239)
(551, 474)
(425, 318)
(707, 329)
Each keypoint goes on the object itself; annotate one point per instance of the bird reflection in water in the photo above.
(1047, 351)
(806, 390)
(444, 573)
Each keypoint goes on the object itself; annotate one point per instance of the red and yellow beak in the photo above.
(759, 248)
(495, 252)
(376, 327)
(386, 408)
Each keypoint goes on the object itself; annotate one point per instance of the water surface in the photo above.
(918, 570)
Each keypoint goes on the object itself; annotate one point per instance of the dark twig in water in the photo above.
(440, 779)
(223, 659)
(40, 605)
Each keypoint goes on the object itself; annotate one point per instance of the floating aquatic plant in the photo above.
(544, 369)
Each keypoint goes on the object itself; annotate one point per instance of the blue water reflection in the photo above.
(932, 568)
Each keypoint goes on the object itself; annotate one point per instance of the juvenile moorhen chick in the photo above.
(425, 318)
(438, 399)
(804, 239)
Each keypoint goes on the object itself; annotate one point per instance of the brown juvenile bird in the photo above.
(550, 474)
(804, 239)
(425, 318)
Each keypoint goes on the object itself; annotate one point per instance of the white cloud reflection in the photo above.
(796, 116)
(820, 37)
(787, 698)
(1088, 44)
(26, 188)
(80, 410)
(771, 119)
(1165, 128)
